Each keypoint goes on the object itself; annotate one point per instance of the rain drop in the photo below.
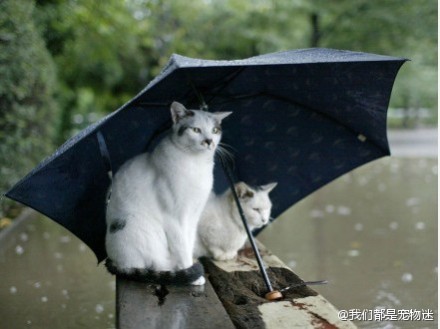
(37, 285)
(19, 250)
(65, 239)
(353, 253)
(330, 208)
(420, 226)
(46, 235)
(44, 299)
(99, 308)
(65, 293)
(78, 119)
(412, 202)
(344, 211)
(24, 237)
(291, 264)
(387, 297)
(362, 138)
(82, 247)
(394, 225)
(13, 290)
(358, 227)
(407, 277)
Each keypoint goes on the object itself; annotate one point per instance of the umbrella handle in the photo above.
(271, 294)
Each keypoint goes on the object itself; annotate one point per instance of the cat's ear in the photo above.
(243, 191)
(178, 111)
(221, 115)
(268, 187)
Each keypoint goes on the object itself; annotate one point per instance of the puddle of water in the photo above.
(50, 279)
(372, 234)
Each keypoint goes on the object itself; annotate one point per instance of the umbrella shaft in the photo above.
(248, 231)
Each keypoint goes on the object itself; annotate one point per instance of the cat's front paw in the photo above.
(199, 282)
(225, 256)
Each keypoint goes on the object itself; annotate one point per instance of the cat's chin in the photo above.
(204, 150)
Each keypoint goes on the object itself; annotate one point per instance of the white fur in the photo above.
(221, 232)
(161, 196)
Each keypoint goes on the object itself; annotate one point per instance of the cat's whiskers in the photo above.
(224, 154)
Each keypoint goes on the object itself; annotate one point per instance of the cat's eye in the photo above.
(197, 130)
(216, 130)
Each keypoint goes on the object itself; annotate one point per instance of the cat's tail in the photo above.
(179, 277)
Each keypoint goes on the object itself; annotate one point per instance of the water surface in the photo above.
(373, 234)
(50, 279)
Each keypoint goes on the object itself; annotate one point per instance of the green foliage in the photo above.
(107, 51)
(26, 87)
(398, 28)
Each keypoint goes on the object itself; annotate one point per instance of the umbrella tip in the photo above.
(273, 295)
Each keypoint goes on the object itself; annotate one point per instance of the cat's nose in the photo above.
(208, 142)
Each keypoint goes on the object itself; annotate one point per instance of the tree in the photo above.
(27, 107)
(386, 27)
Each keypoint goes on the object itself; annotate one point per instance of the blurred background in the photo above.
(66, 63)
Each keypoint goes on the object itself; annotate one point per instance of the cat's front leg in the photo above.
(182, 252)
(178, 248)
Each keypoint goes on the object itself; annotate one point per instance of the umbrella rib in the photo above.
(225, 81)
(220, 85)
(285, 99)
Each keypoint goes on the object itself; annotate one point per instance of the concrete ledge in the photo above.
(232, 298)
(140, 305)
(241, 289)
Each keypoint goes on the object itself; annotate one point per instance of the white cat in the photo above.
(221, 232)
(157, 199)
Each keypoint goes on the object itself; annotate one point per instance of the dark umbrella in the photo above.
(301, 118)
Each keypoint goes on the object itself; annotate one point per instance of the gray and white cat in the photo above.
(157, 199)
(221, 232)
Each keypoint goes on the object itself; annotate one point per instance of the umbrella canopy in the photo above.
(301, 118)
